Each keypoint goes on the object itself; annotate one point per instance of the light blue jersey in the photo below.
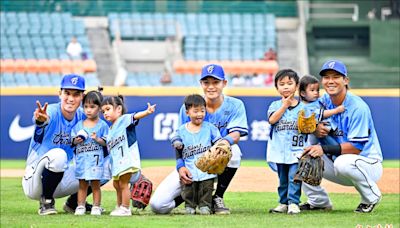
(195, 145)
(318, 108)
(285, 144)
(56, 134)
(89, 154)
(355, 125)
(122, 144)
(230, 117)
(314, 107)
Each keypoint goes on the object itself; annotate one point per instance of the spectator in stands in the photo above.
(74, 49)
(166, 78)
(237, 80)
(248, 80)
(270, 54)
(257, 80)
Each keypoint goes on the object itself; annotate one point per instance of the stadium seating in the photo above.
(33, 48)
(236, 41)
(40, 79)
(206, 36)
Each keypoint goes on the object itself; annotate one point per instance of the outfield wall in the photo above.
(153, 132)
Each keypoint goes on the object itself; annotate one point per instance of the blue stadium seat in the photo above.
(20, 79)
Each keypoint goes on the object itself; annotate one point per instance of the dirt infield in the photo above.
(254, 179)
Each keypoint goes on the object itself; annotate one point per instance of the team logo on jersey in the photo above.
(337, 132)
(193, 150)
(88, 147)
(284, 125)
(62, 138)
(220, 125)
(331, 65)
(210, 69)
(74, 80)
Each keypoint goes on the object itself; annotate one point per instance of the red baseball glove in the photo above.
(141, 192)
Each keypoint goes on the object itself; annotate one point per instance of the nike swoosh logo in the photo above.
(18, 133)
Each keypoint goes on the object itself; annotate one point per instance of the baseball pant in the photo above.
(162, 200)
(54, 160)
(348, 170)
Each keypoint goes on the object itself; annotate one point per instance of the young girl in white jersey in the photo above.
(88, 137)
(123, 148)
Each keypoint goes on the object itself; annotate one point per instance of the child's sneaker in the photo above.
(281, 208)
(121, 211)
(190, 211)
(96, 210)
(293, 209)
(80, 210)
(205, 210)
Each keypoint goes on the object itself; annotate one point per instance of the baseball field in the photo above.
(250, 196)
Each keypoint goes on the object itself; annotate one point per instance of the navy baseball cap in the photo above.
(73, 81)
(334, 65)
(213, 70)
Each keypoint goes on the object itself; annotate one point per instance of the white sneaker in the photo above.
(293, 209)
(80, 210)
(121, 211)
(96, 210)
(281, 208)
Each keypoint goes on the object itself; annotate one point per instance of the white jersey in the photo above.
(355, 124)
(122, 144)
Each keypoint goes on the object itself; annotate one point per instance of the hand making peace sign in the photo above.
(40, 113)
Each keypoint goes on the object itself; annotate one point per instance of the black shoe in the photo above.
(88, 206)
(367, 208)
(219, 206)
(47, 207)
(309, 207)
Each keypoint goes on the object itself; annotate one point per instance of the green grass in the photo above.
(248, 210)
(20, 164)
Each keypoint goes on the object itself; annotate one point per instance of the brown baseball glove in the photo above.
(310, 170)
(306, 125)
(215, 160)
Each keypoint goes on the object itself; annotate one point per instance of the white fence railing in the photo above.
(354, 15)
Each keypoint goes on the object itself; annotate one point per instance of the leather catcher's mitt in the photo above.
(141, 192)
(306, 125)
(215, 160)
(310, 170)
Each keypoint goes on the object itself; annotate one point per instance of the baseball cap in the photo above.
(334, 65)
(73, 81)
(213, 70)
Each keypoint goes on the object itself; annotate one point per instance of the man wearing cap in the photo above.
(49, 172)
(228, 114)
(356, 159)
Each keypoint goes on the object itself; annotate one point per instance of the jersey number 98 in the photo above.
(298, 140)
